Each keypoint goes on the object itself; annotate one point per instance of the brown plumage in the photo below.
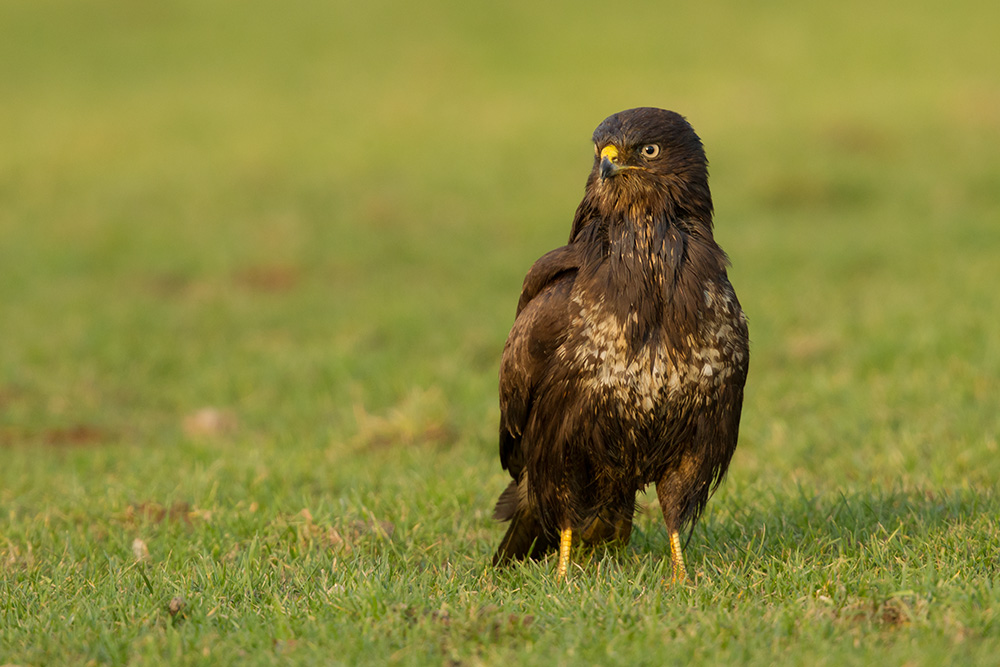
(628, 355)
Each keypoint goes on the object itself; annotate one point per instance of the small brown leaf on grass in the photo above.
(78, 435)
(209, 422)
(268, 278)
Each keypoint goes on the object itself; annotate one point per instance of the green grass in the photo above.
(257, 265)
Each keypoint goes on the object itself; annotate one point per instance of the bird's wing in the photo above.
(543, 314)
(548, 269)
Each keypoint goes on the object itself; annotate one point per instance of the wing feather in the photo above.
(543, 315)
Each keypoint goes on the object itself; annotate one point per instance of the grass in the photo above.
(257, 266)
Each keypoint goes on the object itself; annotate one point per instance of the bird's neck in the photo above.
(645, 251)
(647, 241)
(652, 265)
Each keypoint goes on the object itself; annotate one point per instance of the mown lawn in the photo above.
(257, 264)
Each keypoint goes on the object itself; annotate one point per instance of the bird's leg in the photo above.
(565, 541)
(677, 558)
(667, 494)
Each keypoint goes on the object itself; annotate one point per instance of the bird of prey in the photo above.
(626, 362)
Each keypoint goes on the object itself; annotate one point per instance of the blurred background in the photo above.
(296, 232)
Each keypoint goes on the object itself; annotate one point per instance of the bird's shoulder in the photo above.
(554, 265)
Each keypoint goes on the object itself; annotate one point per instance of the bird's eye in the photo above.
(649, 151)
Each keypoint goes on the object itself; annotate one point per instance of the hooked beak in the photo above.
(609, 162)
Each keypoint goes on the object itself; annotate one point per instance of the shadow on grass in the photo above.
(775, 527)
(769, 528)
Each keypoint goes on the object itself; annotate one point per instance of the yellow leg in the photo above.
(677, 558)
(565, 541)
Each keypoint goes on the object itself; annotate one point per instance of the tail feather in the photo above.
(525, 536)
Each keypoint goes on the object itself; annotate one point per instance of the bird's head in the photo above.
(649, 162)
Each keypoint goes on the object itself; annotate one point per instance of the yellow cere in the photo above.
(609, 152)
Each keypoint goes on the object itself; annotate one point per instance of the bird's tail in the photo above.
(525, 536)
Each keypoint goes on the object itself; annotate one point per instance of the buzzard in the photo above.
(626, 362)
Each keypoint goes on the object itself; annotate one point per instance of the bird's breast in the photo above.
(645, 367)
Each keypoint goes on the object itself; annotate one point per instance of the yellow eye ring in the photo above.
(649, 151)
